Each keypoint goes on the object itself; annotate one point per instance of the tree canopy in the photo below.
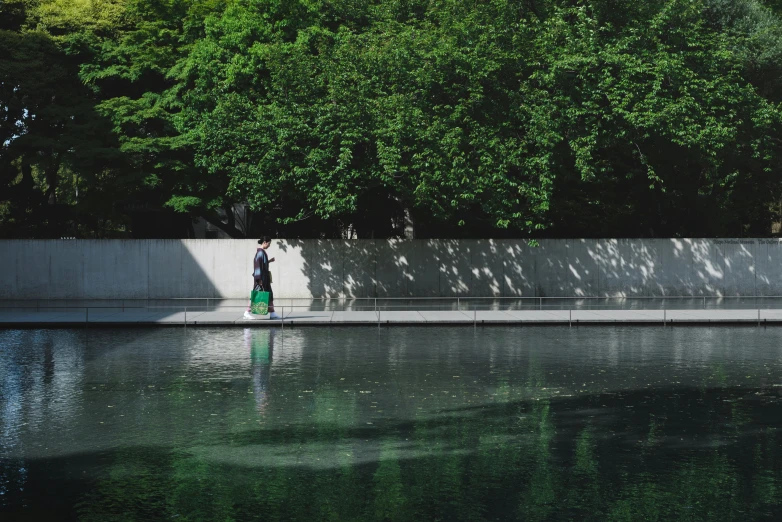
(506, 118)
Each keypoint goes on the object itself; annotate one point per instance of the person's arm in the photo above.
(265, 269)
(257, 264)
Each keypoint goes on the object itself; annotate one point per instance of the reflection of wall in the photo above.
(391, 268)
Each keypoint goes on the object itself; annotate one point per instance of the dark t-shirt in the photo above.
(261, 267)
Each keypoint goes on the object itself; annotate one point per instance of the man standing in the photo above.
(262, 277)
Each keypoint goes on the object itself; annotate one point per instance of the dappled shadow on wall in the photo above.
(84, 270)
(402, 268)
(513, 268)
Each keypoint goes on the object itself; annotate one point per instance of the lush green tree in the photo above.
(343, 117)
(508, 117)
(60, 167)
(133, 71)
(650, 100)
(494, 112)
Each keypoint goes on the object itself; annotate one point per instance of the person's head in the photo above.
(265, 241)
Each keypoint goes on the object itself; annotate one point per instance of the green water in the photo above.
(626, 423)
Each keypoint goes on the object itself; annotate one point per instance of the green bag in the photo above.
(259, 302)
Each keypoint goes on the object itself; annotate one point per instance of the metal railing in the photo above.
(445, 303)
(375, 305)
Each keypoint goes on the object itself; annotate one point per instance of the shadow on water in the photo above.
(702, 454)
(254, 425)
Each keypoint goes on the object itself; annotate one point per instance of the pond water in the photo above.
(419, 423)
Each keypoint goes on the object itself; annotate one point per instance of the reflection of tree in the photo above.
(13, 472)
(389, 499)
(766, 486)
(698, 489)
(145, 484)
(539, 496)
(341, 491)
(517, 451)
(584, 497)
(133, 487)
(202, 491)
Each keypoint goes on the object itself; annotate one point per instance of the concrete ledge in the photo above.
(135, 317)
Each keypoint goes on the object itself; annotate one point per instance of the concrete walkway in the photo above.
(142, 317)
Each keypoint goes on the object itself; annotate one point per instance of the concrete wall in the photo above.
(112, 269)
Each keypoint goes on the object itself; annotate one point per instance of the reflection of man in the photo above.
(260, 344)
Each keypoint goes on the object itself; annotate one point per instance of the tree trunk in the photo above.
(229, 228)
(51, 172)
(229, 213)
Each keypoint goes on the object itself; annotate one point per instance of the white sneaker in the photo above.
(248, 315)
(273, 315)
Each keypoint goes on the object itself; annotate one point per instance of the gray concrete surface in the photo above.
(102, 318)
(166, 269)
